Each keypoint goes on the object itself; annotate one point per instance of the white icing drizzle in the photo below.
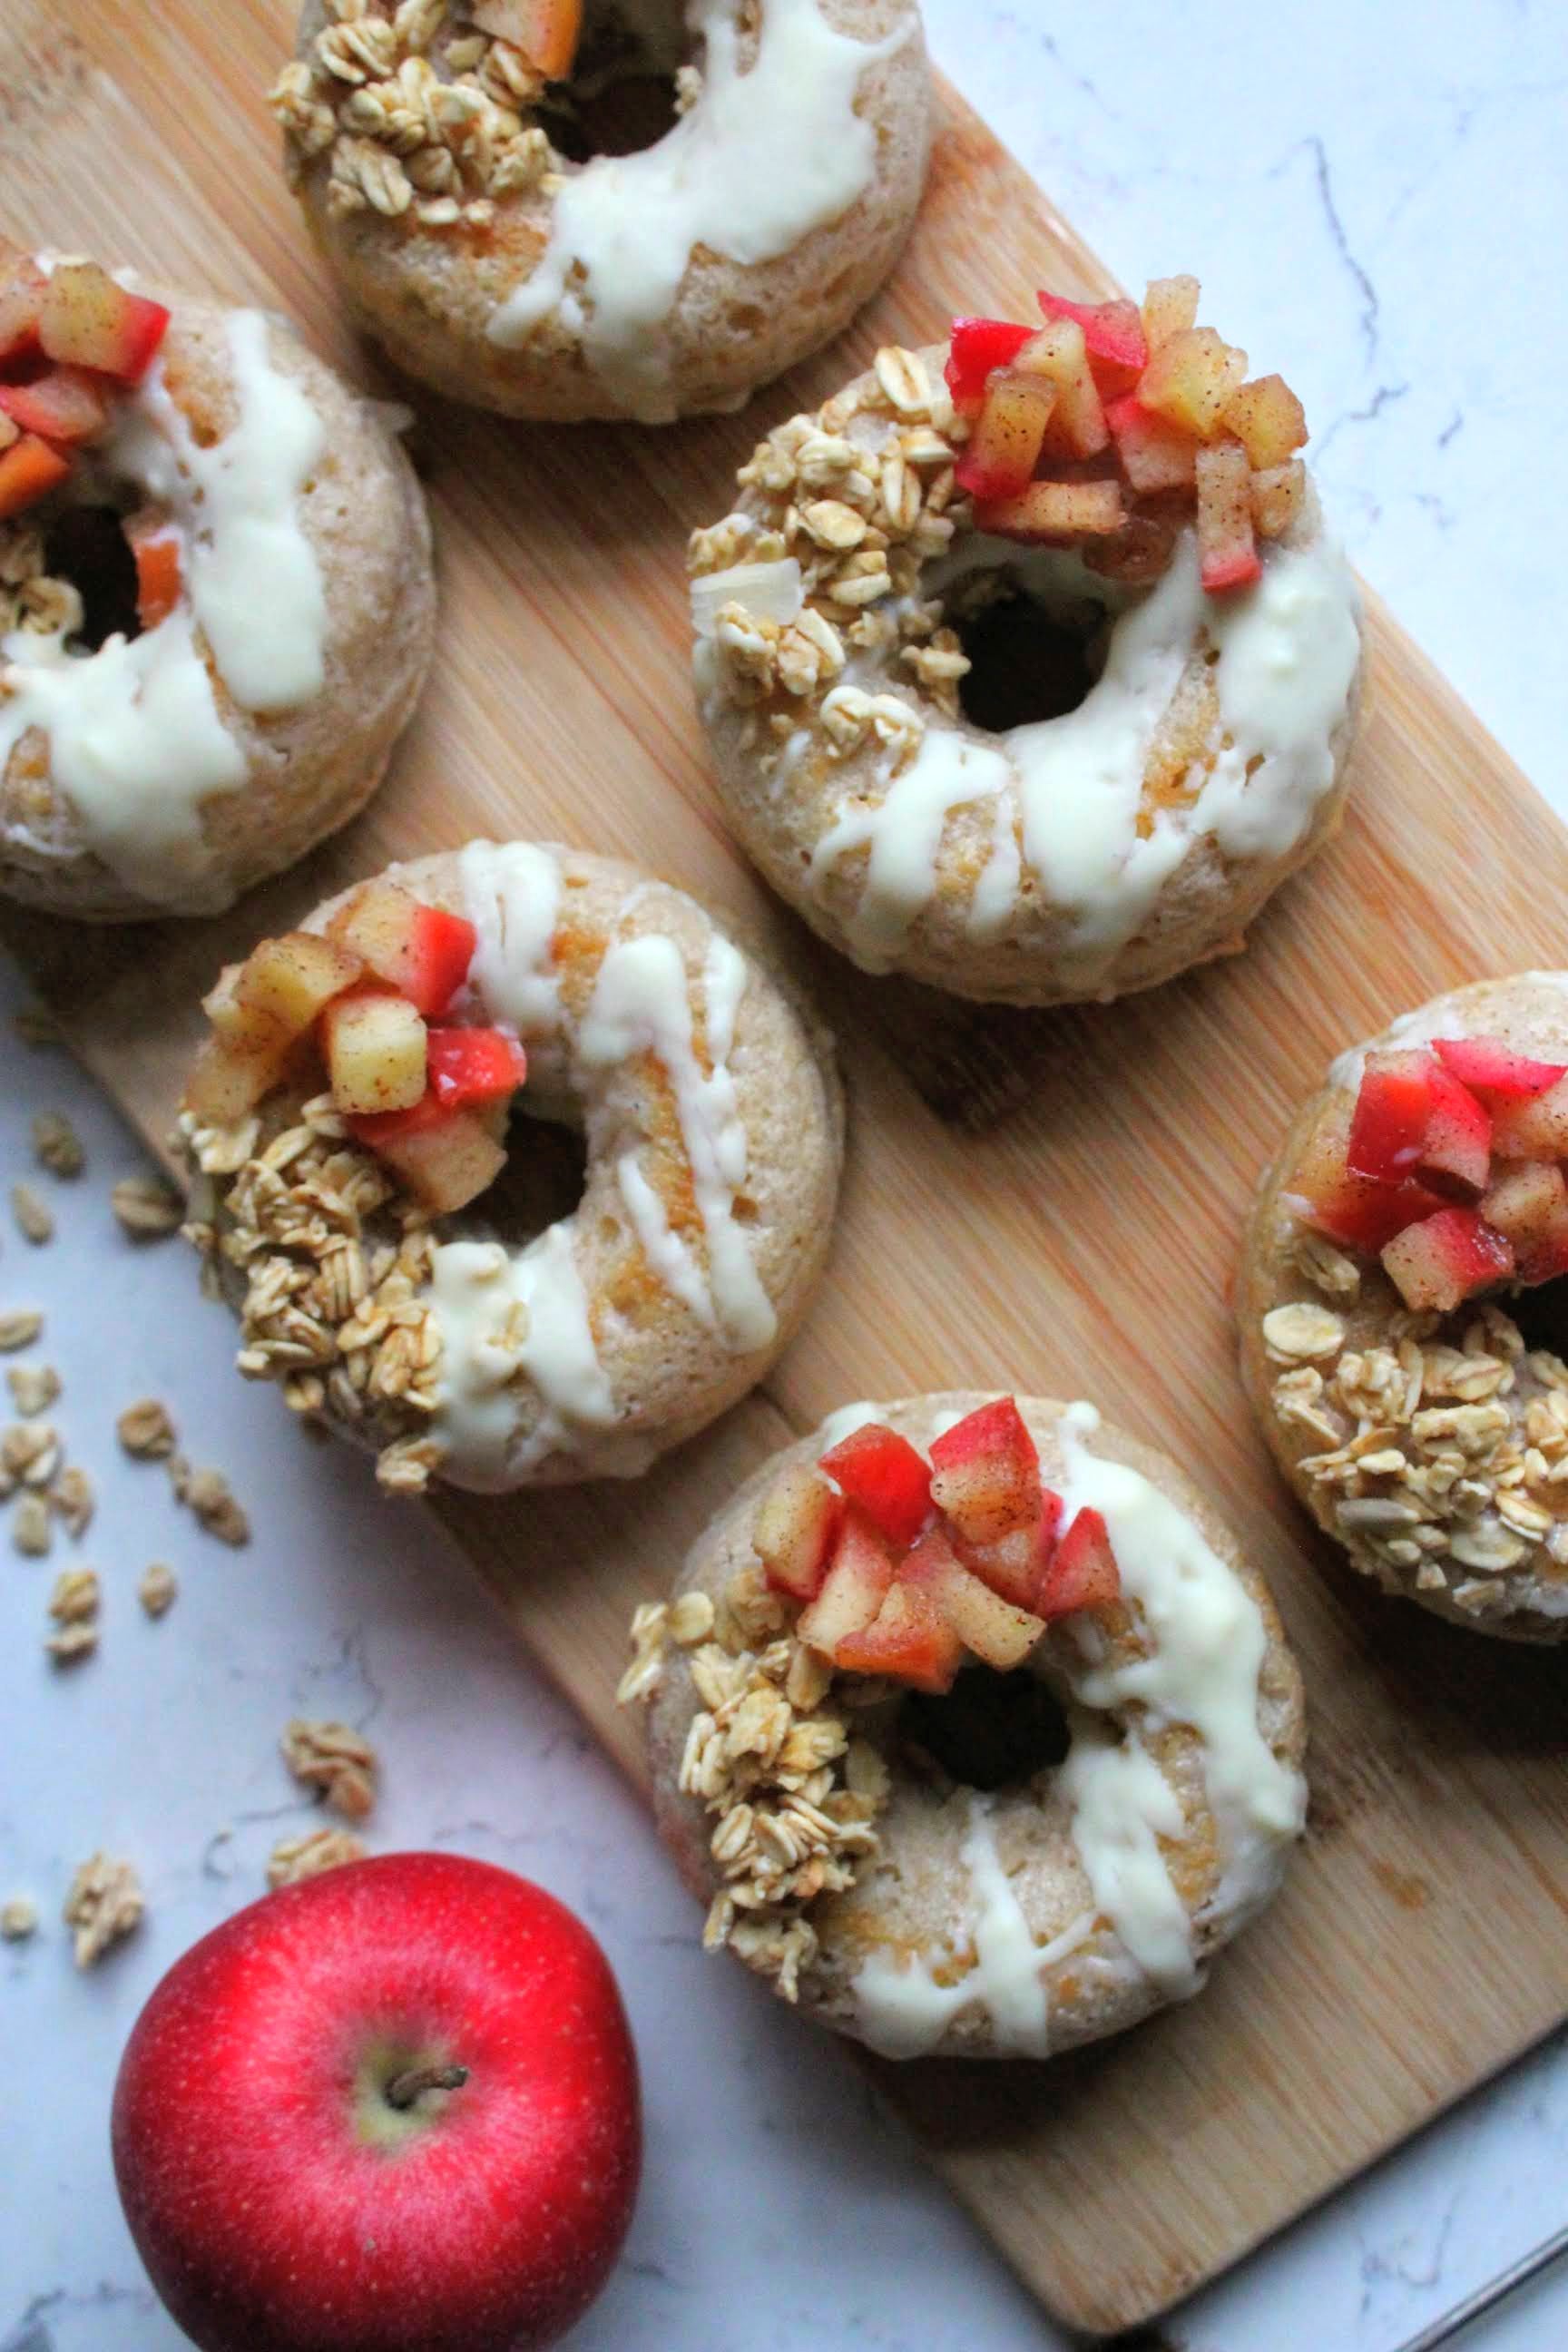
(846, 1422)
(516, 1328)
(136, 740)
(1208, 1646)
(766, 157)
(1287, 652)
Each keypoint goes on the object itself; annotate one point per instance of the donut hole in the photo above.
(545, 1176)
(620, 98)
(86, 546)
(1035, 647)
(991, 1731)
(1541, 1317)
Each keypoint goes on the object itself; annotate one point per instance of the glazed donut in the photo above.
(181, 737)
(931, 1873)
(377, 1275)
(1189, 657)
(1392, 1334)
(426, 146)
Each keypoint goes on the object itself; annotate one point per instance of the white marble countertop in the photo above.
(1374, 198)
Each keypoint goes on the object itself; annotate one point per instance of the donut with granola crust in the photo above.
(561, 211)
(1400, 1270)
(369, 1124)
(973, 1726)
(1026, 665)
(216, 596)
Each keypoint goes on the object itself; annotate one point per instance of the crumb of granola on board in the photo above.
(335, 1760)
(145, 1430)
(158, 1589)
(34, 1219)
(74, 1605)
(104, 1904)
(31, 1529)
(71, 1496)
(147, 1207)
(33, 1388)
(293, 1859)
(18, 1920)
(18, 1328)
(216, 1508)
(57, 1144)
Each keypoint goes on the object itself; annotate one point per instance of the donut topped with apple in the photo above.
(923, 1683)
(1401, 1337)
(1027, 664)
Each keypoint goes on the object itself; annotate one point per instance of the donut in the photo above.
(1032, 737)
(1399, 1288)
(974, 1727)
(444, 154)
(216, 599)
(347, 1122)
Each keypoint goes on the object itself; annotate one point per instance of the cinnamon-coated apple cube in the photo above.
(1170, 305)
(796, 1526)
(244, 1028)
(29, 470)
(1014, 1564)
(294, 978)
(1456, 1151)
(469, 1067)
(546, 31)
(908, 1640)
(886, 1475)
(1155, 454)
(1009, 433)
(22, 285)
(374, 1046)
(1267, 420)
(92, 323)
(1527, 1205)
(977, 349)
(1083, 1572)
(1059, 354)
(227, 1080)
(1113, 338)
(1438, 1263)
(1055, 510)
(422, 951)
(446, 1165)
(1227, 552)
(1357, 1212)
(1534, 1127)
(859, 1576)
(986, 1473)
(994, 1630)
(1490, 1068)
(1279, 496)
(65, 405)
(1388, 1125)
(159, 569)
(1190, 379)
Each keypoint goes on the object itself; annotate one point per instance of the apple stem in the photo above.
(404, 2089)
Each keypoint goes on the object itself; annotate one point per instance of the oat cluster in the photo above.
(35, 1476)
(420, 116)
(335, 1760)
(30, 598)
(74, 1606)
(334, 1264)
(794, 1795)
(104, 1904)
(862, 497)
(293, 1859)
(1442, 1467)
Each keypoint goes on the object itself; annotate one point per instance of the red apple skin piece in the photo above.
(422, 951)
(259, 2160)
(1009, 433)
(1388, 1126)
(907, 1641)
(988, 1473)
(994, 1630)
(65, 405)
(29, 469)
(90, 321)
(859, 1579)
(1456, 1151)
(160, 572)
(1438, 1263)
(979, 347)
(1082, 1573)
(795, 1530)
(1489, 1067)
(886, 1475)
(1113, 337)
(470, 1067)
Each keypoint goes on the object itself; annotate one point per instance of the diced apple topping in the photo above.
(472, 1067)
(997, 1633)
(90, 320)
(886, 1475)
(908, 1640)
(546, 31)
(1487, 1067)
(295, 978)
(1082, 1573)
(100, 339)
(29, 469)
(374, 1046)
(65, 405)
(422, 951)
(1163, 400)
(446, 1164)
(159, 569)
(796, 1528)
(859, 1577)
(22, 285)
(988, 1473)
(1445, 1259)
(1533, 1126)
(1528, 1205)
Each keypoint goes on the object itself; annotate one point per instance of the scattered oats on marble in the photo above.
(72, 1499)
(104, 1904)
(34, 1219)
(293, 1859)
(74, 1605)
(57, 1144)
(218, 1509)
(145, 1430)
(18, 1920)
(335, 1760)
(33, 1388)
(29, 1452)
(157, 1589)
(19, 1328)
(31, 1531)
(147, 1207)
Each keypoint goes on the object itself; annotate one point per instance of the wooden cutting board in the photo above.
(1049, 1202)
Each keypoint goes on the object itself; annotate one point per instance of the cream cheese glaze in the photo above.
(1066, 791)
(136, 740)
(521, 1377)
(1208, 1646)
(767, 154)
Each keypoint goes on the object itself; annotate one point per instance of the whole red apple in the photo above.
(390, 2109)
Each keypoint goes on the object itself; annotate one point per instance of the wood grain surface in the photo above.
(1049, 1202)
